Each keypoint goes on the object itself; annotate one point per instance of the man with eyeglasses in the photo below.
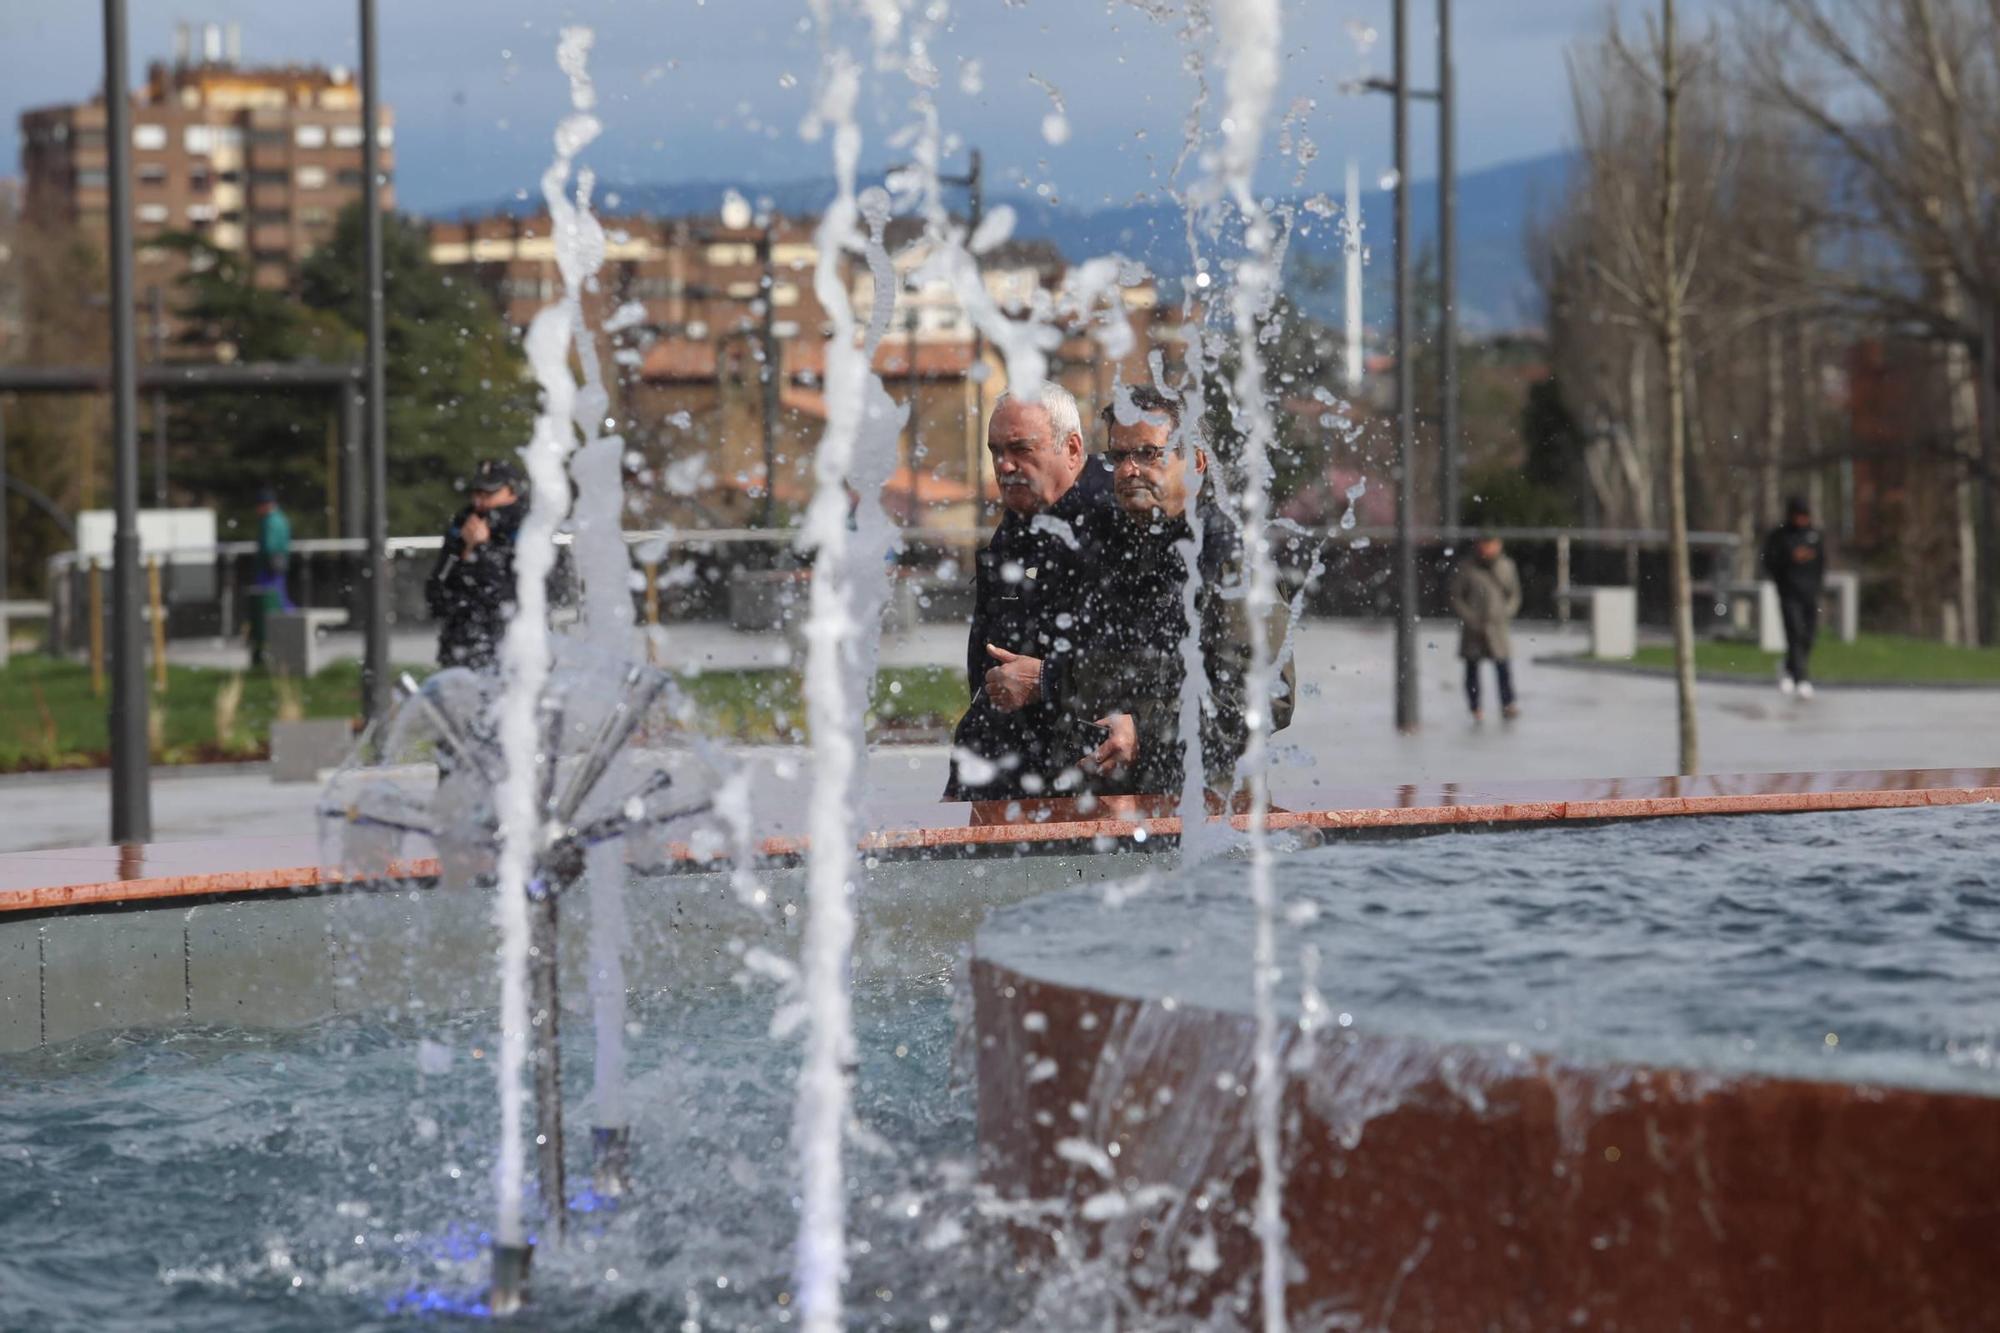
(1031, 581)
(1130, 676)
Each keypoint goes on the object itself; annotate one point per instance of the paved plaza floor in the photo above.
(1575, 724)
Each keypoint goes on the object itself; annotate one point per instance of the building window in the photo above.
(310, 136)
(152, 173)
(92, 178)
(268, 138)
(269, 217)
(267, 178)
(351, 177)
(315, 217)
(230, 177)
(198, 139)
(312, 178)
(153, 138)
(152, 212)
(347, 136)
(200, 180)
(201, 212)
(88, 139)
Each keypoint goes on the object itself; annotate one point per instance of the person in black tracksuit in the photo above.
(1795, 560)
(471, 588)
(1031, 583)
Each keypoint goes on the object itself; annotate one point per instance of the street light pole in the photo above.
(131, 796)
(768, 338)
(1406, 556)
(1448, 422)
(375, 667)
(4, 631)
(159, 313)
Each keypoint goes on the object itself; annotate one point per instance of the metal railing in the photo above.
(705, 573)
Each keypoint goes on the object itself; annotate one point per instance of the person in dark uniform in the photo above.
(1031, 581)
(1795, 560)
(471, 589)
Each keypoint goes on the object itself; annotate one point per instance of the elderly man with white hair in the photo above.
(1032, 583)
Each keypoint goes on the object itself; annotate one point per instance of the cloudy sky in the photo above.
(716, 89)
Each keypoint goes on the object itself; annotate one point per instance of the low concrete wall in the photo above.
(289, 958)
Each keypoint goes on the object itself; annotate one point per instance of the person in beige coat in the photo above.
(1486, 595)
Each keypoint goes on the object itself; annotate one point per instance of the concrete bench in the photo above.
(1614, 620)
(292, 641)
(1842, 586)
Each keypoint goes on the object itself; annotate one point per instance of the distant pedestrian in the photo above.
(267, 585)
(1486, 596)
(1795, 560)
(470, 591)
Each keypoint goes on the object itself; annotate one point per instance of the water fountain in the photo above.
(1166, 1122)
(593, 789)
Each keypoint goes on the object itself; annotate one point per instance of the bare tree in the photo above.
(1902, 100)
(1640, 220)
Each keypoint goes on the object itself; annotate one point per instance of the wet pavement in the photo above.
(1575, 724)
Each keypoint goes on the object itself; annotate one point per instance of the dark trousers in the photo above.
(1801, 616)
(1501, 668)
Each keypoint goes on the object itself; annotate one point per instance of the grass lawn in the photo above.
(50, 719)
(1871, 657)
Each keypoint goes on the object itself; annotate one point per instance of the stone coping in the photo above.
(102, 877)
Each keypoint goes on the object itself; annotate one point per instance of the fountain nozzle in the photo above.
(510, 1278)
(611, 1155)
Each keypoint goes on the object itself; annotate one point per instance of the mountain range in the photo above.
(1496, 207)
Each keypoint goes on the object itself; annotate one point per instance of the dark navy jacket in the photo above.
(1031, 584)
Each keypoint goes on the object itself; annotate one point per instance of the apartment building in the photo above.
(682, 296)
(259, 160)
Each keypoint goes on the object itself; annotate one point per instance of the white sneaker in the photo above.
(1786, 685)
(1805, 689)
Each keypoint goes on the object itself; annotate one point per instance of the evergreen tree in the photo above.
(457, 386)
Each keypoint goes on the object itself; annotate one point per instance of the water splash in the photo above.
(1248, 34)
(863, 424)
(525, 650)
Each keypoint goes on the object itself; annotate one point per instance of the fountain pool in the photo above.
(223, 1172)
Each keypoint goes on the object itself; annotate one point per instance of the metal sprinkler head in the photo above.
(431, 766)
(509, 1291)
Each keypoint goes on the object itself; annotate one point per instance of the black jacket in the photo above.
(1030, 583)
(1795, 560)
(471, 593)
(1132, 659)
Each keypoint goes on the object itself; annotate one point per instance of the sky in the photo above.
(697, 90)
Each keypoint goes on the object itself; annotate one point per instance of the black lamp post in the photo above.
(131, 792)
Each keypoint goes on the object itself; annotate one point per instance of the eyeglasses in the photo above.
(1146, 456)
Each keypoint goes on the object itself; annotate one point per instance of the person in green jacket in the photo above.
(267, 585)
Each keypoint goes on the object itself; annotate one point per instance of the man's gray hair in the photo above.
(1065, 419)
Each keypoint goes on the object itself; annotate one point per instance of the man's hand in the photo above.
(1120, 748)
(474, 532)
(1016, 682)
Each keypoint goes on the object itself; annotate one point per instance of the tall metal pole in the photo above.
(1448, 422)
(975, 188)
(354, 484)
(159, 331)
(4, 631)
(1406, 497)
(131, 796)
(375, 668)
(768, 341)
